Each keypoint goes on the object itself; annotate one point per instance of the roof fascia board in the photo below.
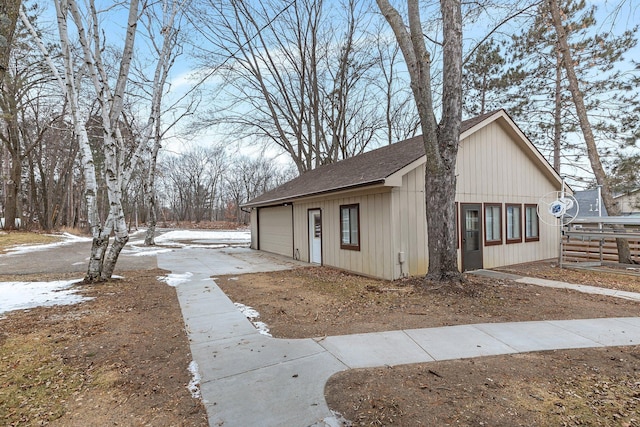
(305, 197)
(395, 179)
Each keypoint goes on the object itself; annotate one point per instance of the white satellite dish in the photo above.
(554, 206)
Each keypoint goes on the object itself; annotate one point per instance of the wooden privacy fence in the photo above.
(594, 239)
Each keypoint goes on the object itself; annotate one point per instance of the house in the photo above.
(589, 204)
(629, 202)
(366, 214)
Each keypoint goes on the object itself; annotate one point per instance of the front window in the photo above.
(492, 224)
(531, 233)
(350, 227)
(514, 226)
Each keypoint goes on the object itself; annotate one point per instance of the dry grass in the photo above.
(16, 238)
(34, 381)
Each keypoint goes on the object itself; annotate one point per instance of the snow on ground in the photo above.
(24, 249)
(175, 279)
(210, 239)
(204, 236)
(23, 295)
(252, 314)
(194, 384)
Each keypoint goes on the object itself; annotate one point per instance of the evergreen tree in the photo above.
(543, 103)
(486, 80)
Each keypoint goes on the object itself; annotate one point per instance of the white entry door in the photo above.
(315, 236)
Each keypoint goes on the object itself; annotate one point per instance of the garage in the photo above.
(275, 230)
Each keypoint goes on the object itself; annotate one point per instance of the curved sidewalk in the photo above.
(248, 379)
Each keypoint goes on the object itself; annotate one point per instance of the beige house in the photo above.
(366, 214)
(629, 203)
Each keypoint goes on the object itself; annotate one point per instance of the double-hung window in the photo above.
(492, 224)
(350, 227)
(514, 223)
(531, 229)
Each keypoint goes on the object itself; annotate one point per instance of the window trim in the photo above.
(498, 241)
(535, 238)
(350, 247)
(506, 223)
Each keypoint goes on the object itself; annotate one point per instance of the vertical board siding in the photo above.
(491, 168)
(503, 173)
(375, 255)
(254, 228)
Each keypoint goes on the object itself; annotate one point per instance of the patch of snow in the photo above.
(194, 384)
(336, 420)
(252, 314)
(144, 251)
(244, 236)
(175, 279)
(68, 239)
(23, 295)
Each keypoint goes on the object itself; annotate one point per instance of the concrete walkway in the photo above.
(248, 379)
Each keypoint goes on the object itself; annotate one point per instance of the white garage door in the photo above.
(275, 230)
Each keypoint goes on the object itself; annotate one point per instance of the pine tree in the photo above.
(543, 102)
(486, 80)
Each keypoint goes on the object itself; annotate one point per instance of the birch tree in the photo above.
(441, 138)
(624, 254)
(101, 263)
(164, 22)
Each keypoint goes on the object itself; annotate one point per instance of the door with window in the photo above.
(315, 236)
(471, 232)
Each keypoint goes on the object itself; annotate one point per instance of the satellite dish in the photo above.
(556, 208)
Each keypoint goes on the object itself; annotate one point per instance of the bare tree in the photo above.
(441, 139)
(400, 118)
(22, 90)
(296, 75)
(164, 22)
(9, 10)
(624, 254)
(110, 101)
(193, 181)
(247, 179)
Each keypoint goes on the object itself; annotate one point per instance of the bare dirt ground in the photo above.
(122, 358)
(594, 387)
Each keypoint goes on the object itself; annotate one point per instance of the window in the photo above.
(492, 224)
(514, 226)
(531, 233)
(350, 227)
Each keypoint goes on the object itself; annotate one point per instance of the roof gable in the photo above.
(382, 166)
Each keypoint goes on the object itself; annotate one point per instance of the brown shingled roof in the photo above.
(364, 169)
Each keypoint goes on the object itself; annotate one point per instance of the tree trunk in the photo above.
(121, 239)
(557, 113)
(11, 212)
(624, 253)
(9, 14)
(150, 194)
(440, 141)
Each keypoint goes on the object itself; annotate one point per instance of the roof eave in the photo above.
(291, 199)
